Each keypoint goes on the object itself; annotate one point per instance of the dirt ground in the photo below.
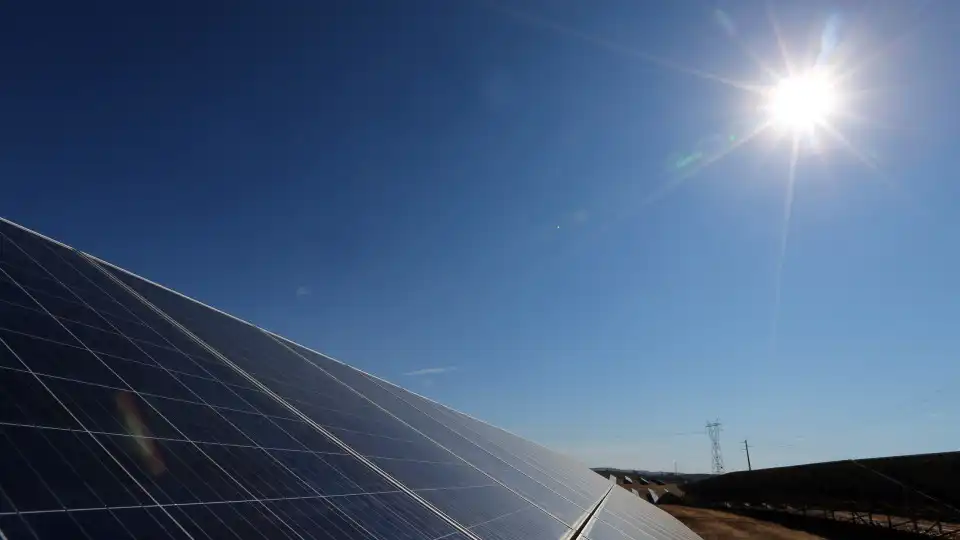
(716, 525)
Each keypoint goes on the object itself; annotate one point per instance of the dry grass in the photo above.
(716, 525)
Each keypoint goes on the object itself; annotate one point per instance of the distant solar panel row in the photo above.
(130, 411)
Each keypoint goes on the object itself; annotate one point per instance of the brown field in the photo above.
(716, 525)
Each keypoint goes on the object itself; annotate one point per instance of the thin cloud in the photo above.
(303, 290)
(430, 371)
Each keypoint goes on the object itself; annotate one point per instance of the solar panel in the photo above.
(624, 516)
(130, 411)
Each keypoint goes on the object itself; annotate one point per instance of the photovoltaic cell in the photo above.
(129, 411)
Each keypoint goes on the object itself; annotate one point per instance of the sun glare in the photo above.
(803, 102)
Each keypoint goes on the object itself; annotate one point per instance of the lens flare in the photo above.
(144, 445)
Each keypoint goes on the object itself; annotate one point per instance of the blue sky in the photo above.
(467, 200)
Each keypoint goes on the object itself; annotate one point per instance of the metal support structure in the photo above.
(932, 527)
(713, 431)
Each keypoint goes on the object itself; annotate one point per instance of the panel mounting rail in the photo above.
(587, 519)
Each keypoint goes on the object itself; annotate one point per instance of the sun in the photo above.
(802, 102)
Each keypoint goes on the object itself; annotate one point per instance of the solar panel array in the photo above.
(130, 411)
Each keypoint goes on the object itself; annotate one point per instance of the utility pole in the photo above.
(713, 431)
(747, 448)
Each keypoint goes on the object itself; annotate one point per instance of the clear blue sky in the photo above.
(445, 185)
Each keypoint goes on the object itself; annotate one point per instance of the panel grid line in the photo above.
(657, 528)
(485, 473)
(72, 468)
(488, 521)
(42, 293)
(46, 485)
(216, 443)
(256, 436)
(105, 263)
(307, 403)
(197, 403)
(130, 388)
(385, 383)
(91, 435)
(211, 378)
(469, 440)
(171, 439)
(270, 334)
(198, 503)
(114, 332)
(532, 462)
(273, 457)
(278, 398)
(281, 400)
(124, 359)
(371, 375)
(133, 390)
(240, 501)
